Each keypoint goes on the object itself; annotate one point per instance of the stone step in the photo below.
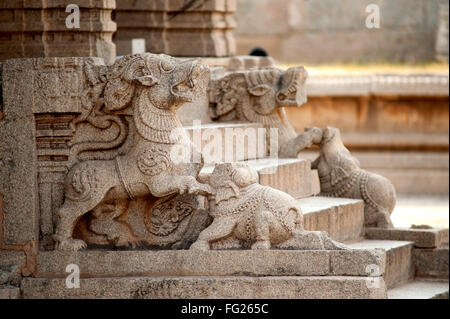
(432, 262)
(399, 259)
(342, 218)
(422, 238)
(9, 292)
(237, 263)
(228, 141)
(320, 287)
(420, 289)
(291, 175)
(11, 263)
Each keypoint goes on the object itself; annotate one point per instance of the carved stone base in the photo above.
(213, 274)
(327, 287)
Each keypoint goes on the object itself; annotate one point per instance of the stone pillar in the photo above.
(177, 27)
(40, 98)
(442, 35)
(37, 28)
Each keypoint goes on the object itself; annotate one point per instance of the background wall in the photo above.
(318, 31)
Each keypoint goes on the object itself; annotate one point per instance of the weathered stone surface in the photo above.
(422, 238)
(9, 292)
(149, 166)
(248, 214)
(272, 262)
(432, 262)
(228, 142)
(292, 176)
(11, 263)
(30, 87)
(18, 158)
(11, 258)
(341, 218)
(365, 85)
(442, 33)
(294, 30)
(364, 263)
(42, 102)
(385, 123)
(259, 96)
(242, 62)
(207, 288)
(403, 160)
(341, 175)
(399, 259)
(178, 28)
(277, 173)
(411, 172)
(315, 182)
(198, 109)
(38, 29)
(420, 289)
(418, 182)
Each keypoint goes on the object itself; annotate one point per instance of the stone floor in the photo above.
(428, 210)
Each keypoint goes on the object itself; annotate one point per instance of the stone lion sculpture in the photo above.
(154, 87)
(257, 216)
(341, 176)
(259, 96)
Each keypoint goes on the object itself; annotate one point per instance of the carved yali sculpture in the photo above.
(258, 96)
(154, 87)
(341, 176)
(256, 216)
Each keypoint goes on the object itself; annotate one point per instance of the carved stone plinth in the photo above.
(274, 262)
(38, 29)
(213, 274)
(177, 27)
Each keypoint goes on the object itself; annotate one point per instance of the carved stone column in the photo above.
(37, 28)
(177, 27)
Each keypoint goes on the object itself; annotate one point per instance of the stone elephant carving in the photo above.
(154, 87)
(341, 176)
(259, 96)
(256, 216)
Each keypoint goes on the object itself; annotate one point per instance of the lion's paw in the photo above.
(71, 245)
(261, 245)
(200, 245)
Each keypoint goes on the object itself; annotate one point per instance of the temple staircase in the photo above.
(382, 263)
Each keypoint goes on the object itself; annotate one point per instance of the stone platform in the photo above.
(212, 274)
(238, 263)
(340, 287)
(277, 173)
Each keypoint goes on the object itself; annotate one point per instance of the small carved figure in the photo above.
(341, 176)
(257, 216)
(155, 87)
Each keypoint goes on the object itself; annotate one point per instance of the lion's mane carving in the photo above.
(150, 88)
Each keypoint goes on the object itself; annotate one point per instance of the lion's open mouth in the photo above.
(289, 95)
(184, 90)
